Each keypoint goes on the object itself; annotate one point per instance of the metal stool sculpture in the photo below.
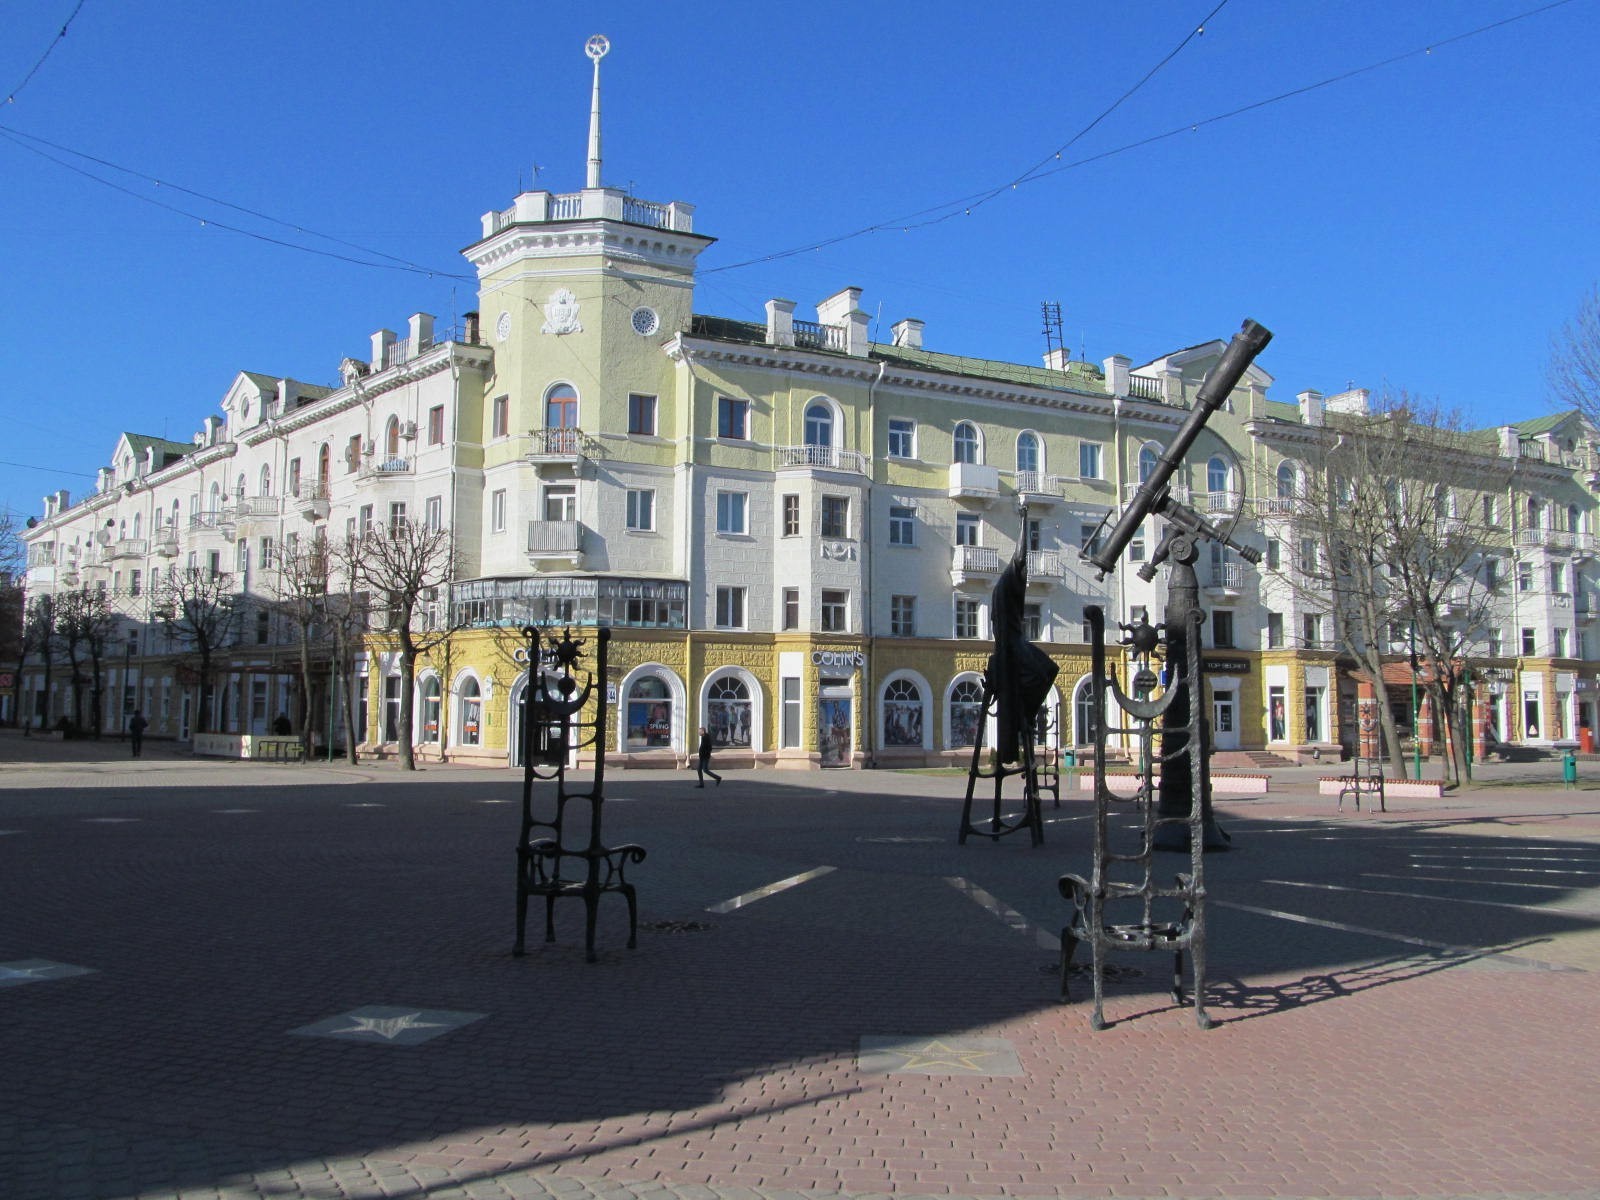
(1015, 683)
(551, 860)
(1163, 918)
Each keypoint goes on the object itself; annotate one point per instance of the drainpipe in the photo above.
(869, 681)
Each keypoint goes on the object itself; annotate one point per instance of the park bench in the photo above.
(558, 857)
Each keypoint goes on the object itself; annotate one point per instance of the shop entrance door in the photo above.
(1224, 721)
(835, 728)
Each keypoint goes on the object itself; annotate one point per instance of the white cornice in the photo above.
(587, 239)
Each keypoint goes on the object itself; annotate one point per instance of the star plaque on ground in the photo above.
(952, 1055)
(37, 970)
(387, 1025)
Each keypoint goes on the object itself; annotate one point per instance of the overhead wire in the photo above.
(964, 205)
(11, 96)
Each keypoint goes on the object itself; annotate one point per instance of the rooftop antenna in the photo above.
(596, 48)
(1053, 341)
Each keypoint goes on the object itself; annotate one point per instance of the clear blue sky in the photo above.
(1427, 225)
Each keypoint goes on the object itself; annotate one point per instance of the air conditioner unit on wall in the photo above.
(408, 430)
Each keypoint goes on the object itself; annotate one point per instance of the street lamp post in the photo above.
(127, 682)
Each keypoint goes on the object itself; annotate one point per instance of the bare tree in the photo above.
(298, 585)
(1381, 538)
(1574, 366)
(38, 637)
(200, 607)
(85, 621)
(406, 567)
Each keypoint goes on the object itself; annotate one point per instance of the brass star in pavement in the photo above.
(943, 1054)
(388, 1027)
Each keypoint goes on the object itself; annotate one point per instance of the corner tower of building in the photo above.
(579, 291)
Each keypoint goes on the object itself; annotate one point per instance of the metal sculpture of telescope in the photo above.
(1185, 527)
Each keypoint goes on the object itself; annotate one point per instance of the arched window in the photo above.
(1149, 458)
(966, 442)
(819, 424)
(966, 713)
(1574, 519)
(728, 712)
(431, 693)
(1085, 722)
(649, 714)
(1027, 454)
(216, 498)
(1288, 481)
(138, 525)
(175, 512)
(238, 487)
(391, 438)
(1219, 476)
(266, 481)
(1535, 513)
(324, 457)
(902, 714)
(471, 712)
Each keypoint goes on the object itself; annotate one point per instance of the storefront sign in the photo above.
(849, 660)
(1212, 665)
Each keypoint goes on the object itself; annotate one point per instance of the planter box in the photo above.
(1401, 789)
(1222, 783)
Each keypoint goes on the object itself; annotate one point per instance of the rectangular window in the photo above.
(1221, 629)
(791, 515)
(1311, 630)
(352, 454)
(968, 526)
(135, 582)
(397, 515)
(433, 513)
(1089, 537)
(1491, 573)
(497, 511)
(1136, 547)
(561, 503)
(791, 608)
(835, 611)
(641, 414)
(903, 616)
(1559, 649)
(1089, 460)
(1558, 577)
(1274, 631)
(733, 418)
(1529, 645)
(731, 512)
(641, 509)
(241, 558)
(294, 477)
(436, 425)
(790, 688)
(501, 421)
(902, 437)
(1309, 558)
(966, 625)
(1496, 643)
(835, 516)
(730, 608)
(1274, 555)
(364, 524)
(902, 525)
(266, 553)
(1524, 577)
(1033, 622)
(263, 632)
(1490, 516)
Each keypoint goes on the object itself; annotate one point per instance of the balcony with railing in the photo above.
(1142, 387)
(247, 508)
(129, 548)
(1046, 566)
(1035, 487)
(969, 564)
(556, 541)
(1226, 578)
(1547, 539)
(312, 500)
(1273, 506)
(1178, 491)
(219, 521)
(812, 335)
(385, 466)
(974, 481)
(1219, 503)
(166, 542)
(820, 458)
(533, 208)
(559, 446)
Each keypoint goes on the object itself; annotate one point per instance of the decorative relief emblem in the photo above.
(502, 327)
(561, 313)
(838, 551)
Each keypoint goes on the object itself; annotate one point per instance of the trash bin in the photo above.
(1069, 758)
(1569, 769)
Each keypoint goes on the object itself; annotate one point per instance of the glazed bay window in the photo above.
(902, 437)
(641, 414)
(641, 509)
(966, 623)
(903, 616)
(835, 516)
(732, 512)
(902, 525)
(733, 418)
(791, 515)
(835, 611)
(730, 608)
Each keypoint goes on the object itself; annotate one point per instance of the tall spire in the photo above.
(596, 48)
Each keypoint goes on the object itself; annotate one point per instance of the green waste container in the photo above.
(1569, 769)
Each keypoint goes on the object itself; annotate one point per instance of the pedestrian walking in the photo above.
(136, 727)
(702, 764)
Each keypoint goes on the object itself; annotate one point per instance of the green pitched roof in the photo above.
(1079, 376)
(1537, 425)
(140, 442)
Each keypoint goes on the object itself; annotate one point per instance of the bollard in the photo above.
(1569, 769)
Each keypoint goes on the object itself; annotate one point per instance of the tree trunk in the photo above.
(408, 674)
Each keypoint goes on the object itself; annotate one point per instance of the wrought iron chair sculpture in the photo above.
(1166, 918)
(551, 862)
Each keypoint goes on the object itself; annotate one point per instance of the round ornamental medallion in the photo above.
(645, 321)
(502, 327)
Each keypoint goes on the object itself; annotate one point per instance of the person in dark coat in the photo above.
(136, 727)
(702, 764)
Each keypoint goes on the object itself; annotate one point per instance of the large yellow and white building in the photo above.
(791, 529)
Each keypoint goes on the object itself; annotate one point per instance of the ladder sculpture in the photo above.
(553, 860)
(1122, 878)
